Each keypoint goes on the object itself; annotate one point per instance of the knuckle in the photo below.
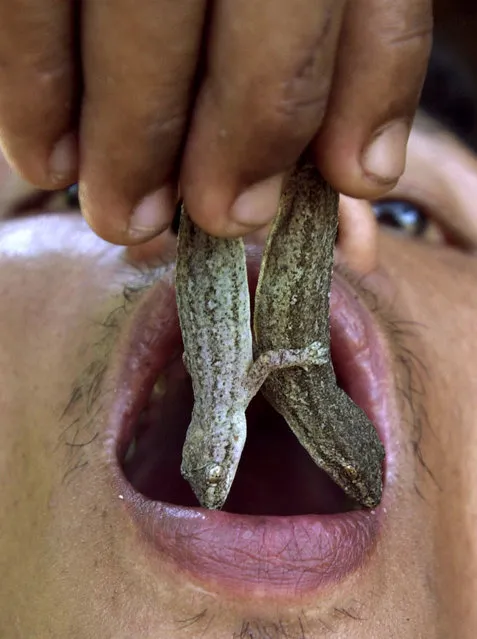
(419, 34)
(298, 104)
(300, 99)
(149, 117)
(411, 26)
(292, 109)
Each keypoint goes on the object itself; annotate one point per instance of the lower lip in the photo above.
(244, 555)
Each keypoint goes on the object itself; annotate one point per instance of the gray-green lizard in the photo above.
(292, 331)
(292, 310)
(214, 312)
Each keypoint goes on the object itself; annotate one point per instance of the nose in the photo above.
(357, 242)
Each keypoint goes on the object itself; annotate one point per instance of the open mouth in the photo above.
(286, 528)
(276, 475)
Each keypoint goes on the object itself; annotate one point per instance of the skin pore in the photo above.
(70, 558)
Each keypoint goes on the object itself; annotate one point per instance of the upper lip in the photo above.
(248, 555)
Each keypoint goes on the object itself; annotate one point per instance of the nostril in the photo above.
(357, 241)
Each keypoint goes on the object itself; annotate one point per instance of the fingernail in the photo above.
(384, 159)
(152, 215)
(258, 204)
(63, 165)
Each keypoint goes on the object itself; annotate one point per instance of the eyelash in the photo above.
(402, 216)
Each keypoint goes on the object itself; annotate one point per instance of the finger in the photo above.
(382, 59)
(139, 64)
(37, 90)
(269, 68)
(357, 241)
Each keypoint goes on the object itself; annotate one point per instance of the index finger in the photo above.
(269, 72)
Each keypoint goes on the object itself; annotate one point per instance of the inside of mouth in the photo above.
(276, 476)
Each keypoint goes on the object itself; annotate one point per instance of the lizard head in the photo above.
(355, 459)
(211, 483)
(210, 457)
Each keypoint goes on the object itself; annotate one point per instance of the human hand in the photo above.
(227, 99)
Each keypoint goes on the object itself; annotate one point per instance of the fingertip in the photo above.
(360, 166)
(208, 210)
(151, 216)
(384, 157)
(225, 214)
(92, 209)
(257, 205)
(63, 161)
(41, 167)
(117, 222)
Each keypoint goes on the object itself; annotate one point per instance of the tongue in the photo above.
(276, 476)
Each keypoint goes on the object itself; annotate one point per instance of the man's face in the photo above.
(100, 536)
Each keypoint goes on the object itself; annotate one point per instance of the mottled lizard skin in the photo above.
(292, 310)
(291, 325)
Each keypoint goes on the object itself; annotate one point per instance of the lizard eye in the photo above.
(214, 474)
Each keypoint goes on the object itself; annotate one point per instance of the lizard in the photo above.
(292, 358)
(292, 308)
(214, 312)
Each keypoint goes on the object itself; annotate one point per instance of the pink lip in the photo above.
(248, 555)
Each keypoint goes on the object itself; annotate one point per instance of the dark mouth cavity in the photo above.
(276, 476)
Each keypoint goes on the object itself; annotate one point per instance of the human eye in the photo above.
(401, 216)
(434, 201)
(409, 219)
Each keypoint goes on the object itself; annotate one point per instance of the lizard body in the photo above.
(291, 325)
(291, 311)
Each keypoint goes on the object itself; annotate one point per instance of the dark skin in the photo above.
(209, 100)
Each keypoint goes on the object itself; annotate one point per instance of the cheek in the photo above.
(449, 450)
(437, 288)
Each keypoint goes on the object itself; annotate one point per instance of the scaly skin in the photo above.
(291, 325)
(291, 311)
(214, 313)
